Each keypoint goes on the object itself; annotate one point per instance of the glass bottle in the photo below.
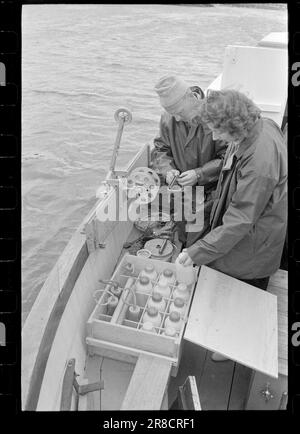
(150, 272)
(174, 320)
(167, 277)
(157, 301)
(163, 289)
(152, 315)
(181, 291)
(178, 305)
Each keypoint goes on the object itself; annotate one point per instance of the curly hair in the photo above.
(229, 111)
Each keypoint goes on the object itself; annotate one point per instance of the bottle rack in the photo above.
(115, 334)
(144, 305)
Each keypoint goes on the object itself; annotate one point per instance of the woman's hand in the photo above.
(187, 178)
(184, 258)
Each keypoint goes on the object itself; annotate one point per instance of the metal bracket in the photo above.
(266, 393)
(86, 388)
(70, 382)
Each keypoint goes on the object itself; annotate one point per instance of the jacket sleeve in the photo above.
(210, 171)
(247, 204)
(161, 157)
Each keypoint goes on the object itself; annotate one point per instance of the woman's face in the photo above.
(220, 135)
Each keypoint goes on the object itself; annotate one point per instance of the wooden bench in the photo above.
(148, 386)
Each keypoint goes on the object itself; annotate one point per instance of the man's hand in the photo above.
(184, 258)
(188, 178)
(170, 175)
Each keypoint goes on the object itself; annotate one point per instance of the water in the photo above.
(81, 63)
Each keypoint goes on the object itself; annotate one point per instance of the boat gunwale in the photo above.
(43, 320)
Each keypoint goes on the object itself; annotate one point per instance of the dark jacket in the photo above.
(183, 147)
(249, 215)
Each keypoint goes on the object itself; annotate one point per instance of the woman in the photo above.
(249, 215)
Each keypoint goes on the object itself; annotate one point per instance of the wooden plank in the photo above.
(188, 395)
(278, 286)
(282, 306)
(83, 399)
(99, 345)
(282, 366)
(42, 322)
(107, 351)
(67, 387)
(135, 339)
(235, 319)
(280, 279)
(148, 384)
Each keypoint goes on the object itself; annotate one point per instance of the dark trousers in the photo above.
(259, 283)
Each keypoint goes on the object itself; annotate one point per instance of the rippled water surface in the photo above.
(79, 64)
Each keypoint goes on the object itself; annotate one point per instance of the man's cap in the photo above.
(171, 90)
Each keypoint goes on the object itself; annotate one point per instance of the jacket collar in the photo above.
(245, 147)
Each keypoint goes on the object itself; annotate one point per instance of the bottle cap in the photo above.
(149, 268)
(174, 316)
(156, 296)
(179, 302)
(182, 287)
(144, 280)
(152, 311)
(116, 291)
(134, 309)
(129, 266)
(168, 273)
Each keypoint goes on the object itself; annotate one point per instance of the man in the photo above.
(185, 149)
(249, 215)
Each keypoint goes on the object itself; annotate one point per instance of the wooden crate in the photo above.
(116, 337)
(267, 393)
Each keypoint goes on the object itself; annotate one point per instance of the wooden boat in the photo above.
(61, 337)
